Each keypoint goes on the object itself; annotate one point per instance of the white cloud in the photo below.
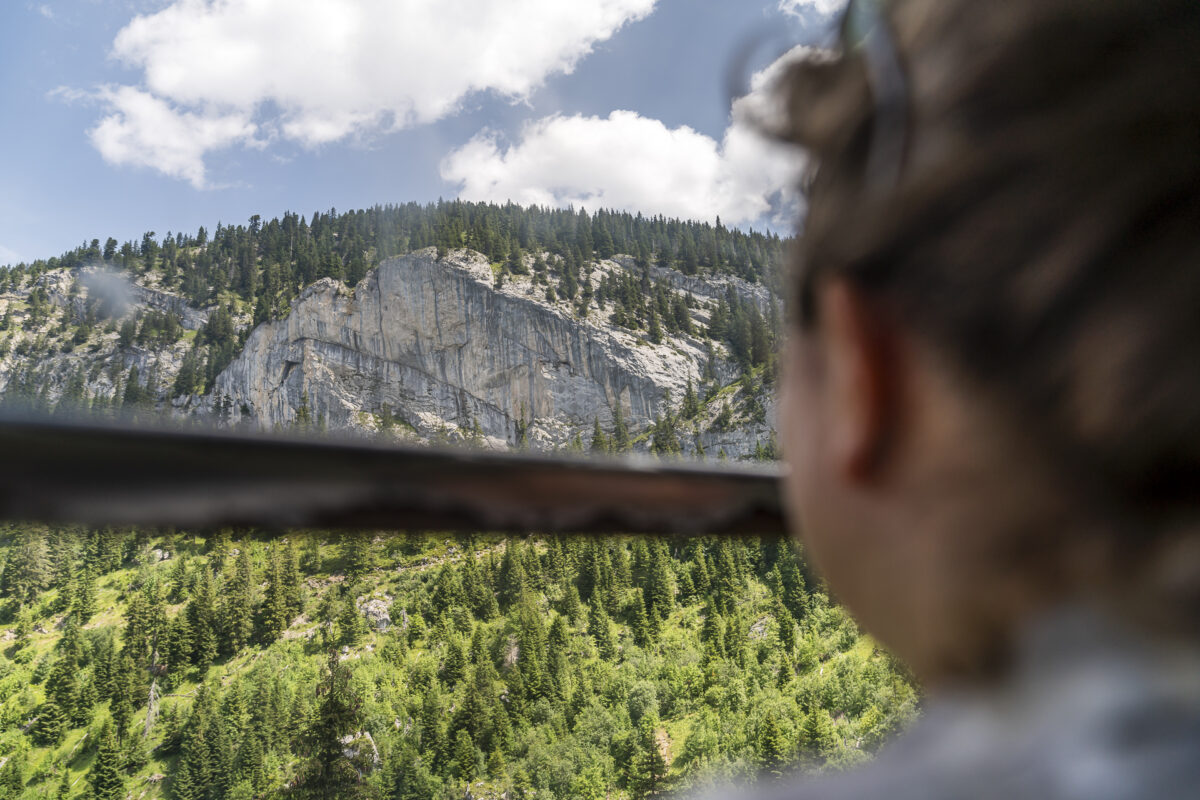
(146, 131)
(825, 8)
(318, 71)
(630, 162)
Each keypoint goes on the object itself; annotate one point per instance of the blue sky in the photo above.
(122, 116)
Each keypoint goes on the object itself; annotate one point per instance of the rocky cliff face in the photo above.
(436, 346)
(435, 343)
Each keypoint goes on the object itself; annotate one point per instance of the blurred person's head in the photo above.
(992, 392)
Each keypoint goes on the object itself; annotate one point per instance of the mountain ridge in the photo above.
(480, 354)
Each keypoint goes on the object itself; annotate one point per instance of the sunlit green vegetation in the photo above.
(242, 665)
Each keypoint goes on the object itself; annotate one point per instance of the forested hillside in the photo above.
(242, 665)
(661, 308)
(247, 664)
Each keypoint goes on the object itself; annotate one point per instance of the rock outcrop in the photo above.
(432, 341)
(426, 347)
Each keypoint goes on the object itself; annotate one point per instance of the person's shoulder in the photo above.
(1091, 711)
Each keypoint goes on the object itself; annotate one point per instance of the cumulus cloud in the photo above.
(319, 71)
(802, 8)
(147, 131)
(9, 256)
(631, 162)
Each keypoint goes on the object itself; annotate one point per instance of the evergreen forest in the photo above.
(239, 664)
(244, 275)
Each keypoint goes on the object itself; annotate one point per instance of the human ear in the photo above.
(862, 394)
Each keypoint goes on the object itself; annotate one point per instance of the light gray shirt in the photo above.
(1091, 711)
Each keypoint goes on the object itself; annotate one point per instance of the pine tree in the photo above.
(558, 640)
(620, 436)
(647, 767)
(237, 611)
(464, 756)
(654, 329)
(328, 771)
(712, 634)
(12, 781)
(183, 783)
(727, 583)
(454, 664)
(202, 615)
(818, 737)
(51, 722)
(134, 394)
(787, 629)
(521, 787)
(691, 403)
(105, 776)
(600, 442)
(496, 767)
(83, 604)
(352, 624)
(773, 750)
(513, 581)
(276, 612)
(661, 588)
(601, 631)
(571, 605)
(64, 786)
(637, 623)
(356, 556)
(62, 687)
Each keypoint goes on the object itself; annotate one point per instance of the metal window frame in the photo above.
(87, 473)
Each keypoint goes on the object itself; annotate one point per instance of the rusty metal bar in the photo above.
(79, 472)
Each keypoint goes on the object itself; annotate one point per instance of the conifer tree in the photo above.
(620, 435)
(571, 604)
(123, 693)
(687, 588)
(661, 585)
(464, 756)
(12, 781)
(637, 623)
(787, 629)
(600, 443)
(496, 767)
(105, 776)
(654, 328)
(51, 723)
(454, 664)
(275, 613)
(647, 767)
(202, 618)
(691, 403)
(818, 737)
(183, 783)
(356, 556)
(64, 786)
(62, 687)
(558, 639)
(331, 770)
(712, 634)
(601, 631)
(512, 581)
(727, 581)
(237, 611)
(83, 603)
(351, 623)
(773, 750)
(479, 595)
